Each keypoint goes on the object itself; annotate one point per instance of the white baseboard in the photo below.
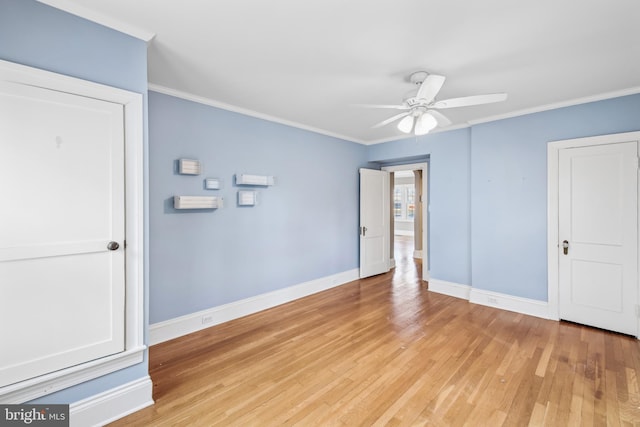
(174, 328)
(392, 263)
(450, 288)
(112, 405)
(417, 254)
(527, 306)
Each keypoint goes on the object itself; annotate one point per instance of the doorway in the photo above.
(409, 216)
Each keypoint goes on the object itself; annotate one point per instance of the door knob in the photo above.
(565, 247)
(113, 246)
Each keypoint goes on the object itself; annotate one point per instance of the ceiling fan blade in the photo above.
(440, 118)
(430, 87)
(391, 119)
(394, 107)
(466, 101)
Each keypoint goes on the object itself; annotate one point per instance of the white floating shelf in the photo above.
(247, 198)
(212, 184)
(246, 179)
(189, 167)
(197, 202)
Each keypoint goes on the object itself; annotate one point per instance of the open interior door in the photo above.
(375, 224)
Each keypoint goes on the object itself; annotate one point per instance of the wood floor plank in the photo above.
(384, 351)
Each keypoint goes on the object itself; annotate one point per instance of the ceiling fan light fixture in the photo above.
(425, 123)
(405, 125)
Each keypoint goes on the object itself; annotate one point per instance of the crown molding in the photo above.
(99, 18)
(556, 105)
(228, 107)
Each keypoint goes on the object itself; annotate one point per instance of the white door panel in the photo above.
(374, 222)
(598, 279)
(62, 186)
(60, 151)
(67, 319)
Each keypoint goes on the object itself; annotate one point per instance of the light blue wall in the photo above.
(509, 189)
(305, 227)
(449, 192)
(40, 36)
(488, 185)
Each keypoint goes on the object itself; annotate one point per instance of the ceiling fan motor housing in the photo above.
(418, 77)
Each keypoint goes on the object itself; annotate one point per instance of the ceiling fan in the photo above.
(421, 107)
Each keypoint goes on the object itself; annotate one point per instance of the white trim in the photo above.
(134, 172)
(526, 306)
(99, 18)
(179, 326)
(417, 254)
(251, 113)
(450, 288)
(553, 154)
(104, 408)
(556, 105)
(33, 388)
(407, 167)
(392, 263)
(491, 299)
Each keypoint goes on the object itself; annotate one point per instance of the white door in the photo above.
(375, 225)
(61, 206)
(598, 233)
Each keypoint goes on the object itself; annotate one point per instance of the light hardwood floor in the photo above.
(386, 351)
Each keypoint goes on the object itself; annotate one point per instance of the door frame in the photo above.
(135, 200)
(553, 244)
(424, 167)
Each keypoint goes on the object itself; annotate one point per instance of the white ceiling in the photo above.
(307, 62)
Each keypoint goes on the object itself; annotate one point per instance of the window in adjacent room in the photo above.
(404, 197)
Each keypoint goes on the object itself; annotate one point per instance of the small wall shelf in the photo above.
(189, 167)
(262, 180)
(212, 184)
(247, 198)
(197, 202)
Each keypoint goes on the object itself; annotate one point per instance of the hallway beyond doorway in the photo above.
(406, 266)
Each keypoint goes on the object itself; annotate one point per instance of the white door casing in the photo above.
(121, 343)
(375, 224)
(594, 209)
(424, 167)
